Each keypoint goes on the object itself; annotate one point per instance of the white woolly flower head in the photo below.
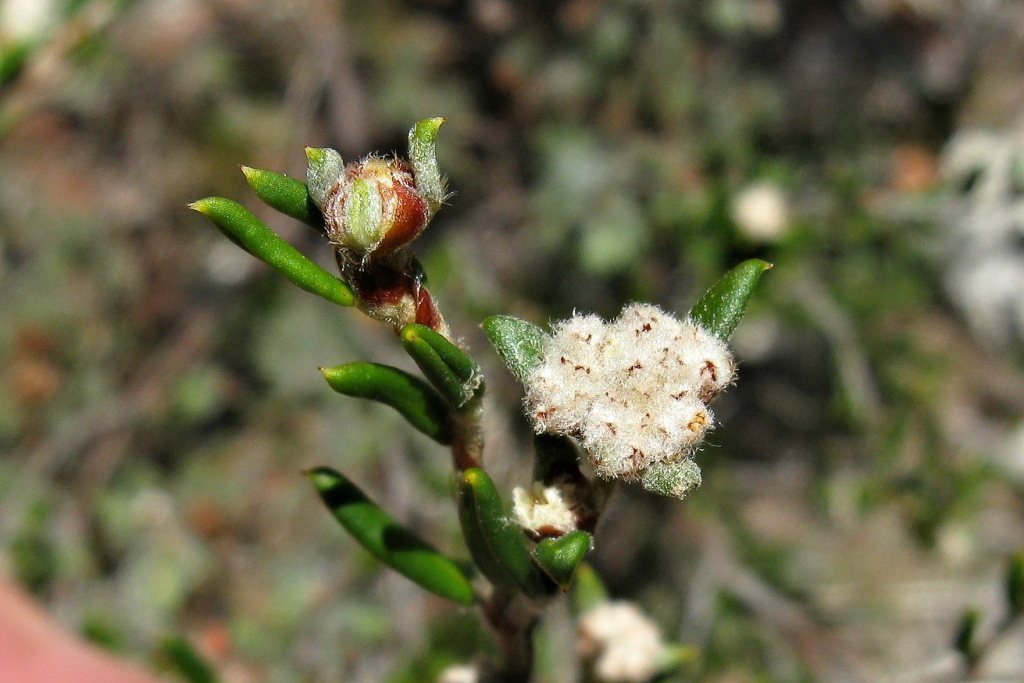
(633, 391)
(622, 643)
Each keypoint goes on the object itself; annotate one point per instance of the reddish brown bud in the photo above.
(375, 209)
(376, 206)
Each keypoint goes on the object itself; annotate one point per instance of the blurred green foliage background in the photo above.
(161, 395)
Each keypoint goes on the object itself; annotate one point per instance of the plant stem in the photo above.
(512, 617)
(468, 443)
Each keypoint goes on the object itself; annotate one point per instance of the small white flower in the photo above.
(460, 673)
(546, 511)
(761, 211)
(634, 391)
(27, 20)
(623, 644)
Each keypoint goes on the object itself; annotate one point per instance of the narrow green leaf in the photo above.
(324, 170)
(450, 369)
(517, 342)
(423, 158)
(187, 662)
(495, 541)
(675, 657)
(417, 402)
(13, 57)
(966, 639)
(388, 541)
(474, 531)
(285, 194)
(559, 557)
(587, 591)
(1015, 583)
(720, 309)
(250, 233)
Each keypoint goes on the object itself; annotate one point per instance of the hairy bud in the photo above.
(373, 208)
(376, 206)
(553, 509)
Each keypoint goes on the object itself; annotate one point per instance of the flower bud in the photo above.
(553, 510)
(375, 206)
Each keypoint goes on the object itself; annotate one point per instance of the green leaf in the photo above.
(675, 657)
(14, 54)
(966, 639)
(559, 557)
(720, 309)
(388, 541)
(1015, 583)
(450, 369)
(423, 158)
(186, 661)
(247, 231)
(587, 591)
(518, 342)
(417, 402)
(494, 540)
(285, 194)
(324, 170)
(674, 479)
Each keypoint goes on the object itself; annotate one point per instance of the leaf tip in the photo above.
(472, 476)
(427, 126)
(409, 333)
(318, 155)
(321, 477)
(200, 205)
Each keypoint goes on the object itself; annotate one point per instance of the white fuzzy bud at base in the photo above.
(623, 645)
(546, 511)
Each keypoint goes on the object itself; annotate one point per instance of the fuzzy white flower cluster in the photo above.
(633, 391)
(623, 644)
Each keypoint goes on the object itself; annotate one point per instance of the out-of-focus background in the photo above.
(160, 392)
